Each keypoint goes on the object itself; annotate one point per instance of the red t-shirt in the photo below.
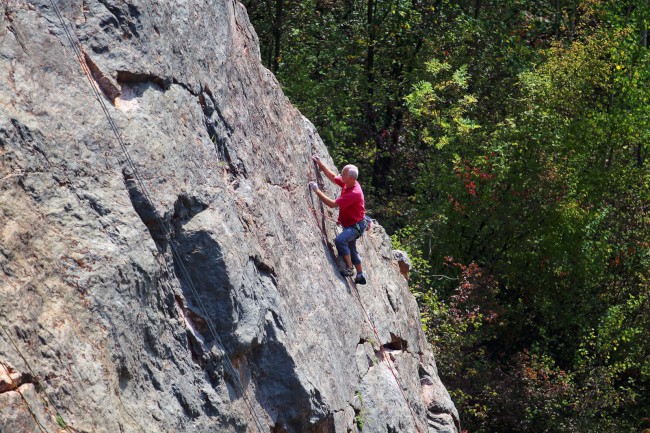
(351, 203)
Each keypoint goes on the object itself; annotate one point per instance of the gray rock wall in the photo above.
(174, 277)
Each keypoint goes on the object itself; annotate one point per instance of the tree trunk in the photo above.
(558, 16)
(641, 154)
(370, 54)
(574, 17)
(370, 113)
(644, 26)
(477, 8)
(277, 34)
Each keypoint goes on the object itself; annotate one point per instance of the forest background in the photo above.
(504, 145)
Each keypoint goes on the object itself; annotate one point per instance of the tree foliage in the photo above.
(505, 146)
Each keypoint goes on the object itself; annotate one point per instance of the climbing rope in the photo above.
(354, 288)
(45, 399)
(75, 44)
(32, 226)
(400, 387)
(321, 229)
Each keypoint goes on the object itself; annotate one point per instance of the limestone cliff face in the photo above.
(168, 273)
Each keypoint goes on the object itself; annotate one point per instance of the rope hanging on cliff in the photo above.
(74, 43)
(45, 399)
(398, 382)
(368, 319)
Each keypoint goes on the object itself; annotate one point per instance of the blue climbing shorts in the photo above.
(346, 241)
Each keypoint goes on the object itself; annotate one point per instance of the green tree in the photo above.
(506, 145)
(549, 199)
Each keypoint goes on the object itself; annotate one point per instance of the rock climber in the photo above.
(352, 213)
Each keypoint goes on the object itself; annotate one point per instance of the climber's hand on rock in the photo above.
(315, 158)
(313, 185)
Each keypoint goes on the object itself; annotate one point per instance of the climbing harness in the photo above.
(74, 43)
(363, 226)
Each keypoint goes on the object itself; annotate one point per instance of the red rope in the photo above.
(381, 351)
(315, 211)
(369, 321)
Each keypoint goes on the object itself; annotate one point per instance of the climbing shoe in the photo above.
(360, 279)
(347, 272)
